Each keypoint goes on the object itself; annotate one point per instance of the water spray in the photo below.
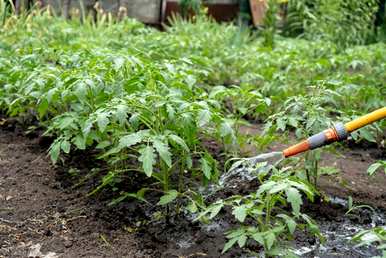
(338, 132)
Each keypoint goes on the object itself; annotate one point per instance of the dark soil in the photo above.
(43, 214)
(36, 210)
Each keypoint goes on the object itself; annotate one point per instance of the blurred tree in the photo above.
(66, 4)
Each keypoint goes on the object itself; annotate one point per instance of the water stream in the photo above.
(338, 233)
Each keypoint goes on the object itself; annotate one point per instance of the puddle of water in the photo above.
(338, 235)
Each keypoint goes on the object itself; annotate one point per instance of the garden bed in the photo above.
(40, 207)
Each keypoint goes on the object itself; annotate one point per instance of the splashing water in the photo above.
(244, 169)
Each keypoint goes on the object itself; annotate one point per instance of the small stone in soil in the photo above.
(68, 243)
(48, 232)
(61, 209)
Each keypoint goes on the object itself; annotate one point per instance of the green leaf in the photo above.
(349, 202)
(258, 237)
(189, 162)
(80, 142)
(65, 122)
(205, 167)
(81, 90)
(139, 196)
(168, 197)
(192, 207)
(281, 124)
(242, 240)
(163, 150)
(55, 151)
(130, 140)
(102, 121)
(270, 239)
(229, 244)
(65, 146)
(204, 117)
(295, 198)
(373, 168)
(240, 213)
(103, 144)
(121, 113)
(215, 209)
(147, 159)
(43, 107)
(179, 141)
(291, 224)
(367, 135)
(226, 129)
(171, 112)
(278, 187)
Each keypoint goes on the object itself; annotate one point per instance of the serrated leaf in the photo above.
(121, 113)
(81, 90)
(65, 146)
(258, 237)
(204, 117)
(55, 151)
(281, 124)
(168, 197)
(130, 140)
(80, 142)
(163, 150)
(65, 122)
(205, 167)
(367, 135)
(291, 224)
(229, 244)
(240, 213)
(278, 187)
(242, 240)
(147, 158)
(295, 198)
(215, 209)
(178, 140)
(102, 121)
(270, 240)
(225, 129)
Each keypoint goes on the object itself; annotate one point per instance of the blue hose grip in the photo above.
(341, 131)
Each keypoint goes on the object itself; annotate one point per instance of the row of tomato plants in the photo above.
(149, 102)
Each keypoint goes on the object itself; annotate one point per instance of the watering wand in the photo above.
(338, 132)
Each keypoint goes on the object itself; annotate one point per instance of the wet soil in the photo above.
(351, 160)
(43, 215)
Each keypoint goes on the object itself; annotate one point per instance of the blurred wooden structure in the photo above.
(153, 12)
(220, 10)
(258, 9)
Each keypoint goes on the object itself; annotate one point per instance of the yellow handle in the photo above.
(365, 120)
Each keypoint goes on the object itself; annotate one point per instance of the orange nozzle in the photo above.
(326, 137)
(297, 148)
(337, 133)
